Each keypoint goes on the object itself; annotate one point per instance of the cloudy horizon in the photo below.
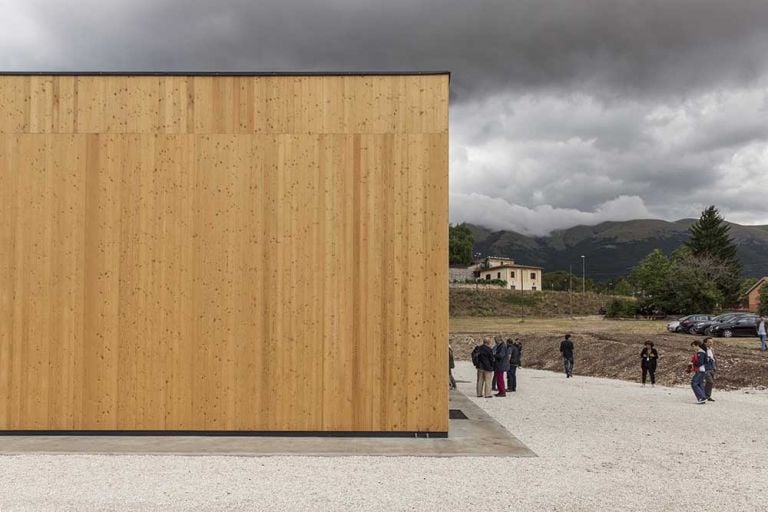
(563, 112)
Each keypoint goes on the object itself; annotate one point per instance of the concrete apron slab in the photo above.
(478, 435)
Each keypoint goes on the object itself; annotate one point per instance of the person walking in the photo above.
(762, 332)
(566, 350)
(648, 358)
(514, 362)
(482, 356)
(710, 369)
(697, 366)
(501, 367)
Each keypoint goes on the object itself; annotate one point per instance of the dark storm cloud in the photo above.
(607, 46)
(564, 111)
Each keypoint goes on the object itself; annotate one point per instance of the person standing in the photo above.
(648, 358)
(710, 369)
(483, 355)
(763, 333)
(501, 367)
(566, 350)
(514, 362)
(451, 366)
(494, 386)
(698, 367)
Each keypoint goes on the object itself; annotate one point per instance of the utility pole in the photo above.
(522, 298)
(570, 289)
(583, 275)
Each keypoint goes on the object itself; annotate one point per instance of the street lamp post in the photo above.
(583, 275)
(570, 289)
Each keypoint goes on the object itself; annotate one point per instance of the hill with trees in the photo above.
(613, 249)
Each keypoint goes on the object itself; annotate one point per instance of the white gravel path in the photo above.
(602, 445)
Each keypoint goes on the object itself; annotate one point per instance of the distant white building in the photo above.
(518, 277)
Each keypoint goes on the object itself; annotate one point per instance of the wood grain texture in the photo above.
(223, 253)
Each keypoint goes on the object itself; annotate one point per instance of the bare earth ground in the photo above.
(602, 445)
(611, 348)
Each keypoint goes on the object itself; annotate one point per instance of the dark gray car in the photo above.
(745, 325)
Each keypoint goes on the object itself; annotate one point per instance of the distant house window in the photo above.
(533, 287)
(533, 275)
(487, 276)
(512, 287)
(498, 275)
(513, 274)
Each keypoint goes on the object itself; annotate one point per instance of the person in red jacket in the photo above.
(698, 366)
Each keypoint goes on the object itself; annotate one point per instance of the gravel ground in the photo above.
(602, 445)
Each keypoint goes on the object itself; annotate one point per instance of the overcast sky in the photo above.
(564, 112)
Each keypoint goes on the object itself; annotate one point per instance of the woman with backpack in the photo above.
(698, 366)
(648, 358)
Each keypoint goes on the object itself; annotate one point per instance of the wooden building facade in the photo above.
(224, 252)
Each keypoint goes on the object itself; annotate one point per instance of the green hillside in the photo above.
(613, 248)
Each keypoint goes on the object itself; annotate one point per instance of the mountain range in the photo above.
(611, 249)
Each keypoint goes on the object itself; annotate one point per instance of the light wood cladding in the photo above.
(224, 253)
(398, 104)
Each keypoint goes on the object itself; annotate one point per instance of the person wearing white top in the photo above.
(711, 369)
(762, 333)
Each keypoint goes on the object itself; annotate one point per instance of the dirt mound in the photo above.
(617, 356)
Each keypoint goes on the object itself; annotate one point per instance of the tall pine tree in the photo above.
(710, 239)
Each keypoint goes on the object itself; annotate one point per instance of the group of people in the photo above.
(648, 359)
(496, 363)
(703, 366)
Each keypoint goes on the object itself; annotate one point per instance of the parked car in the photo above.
(686, 323)
(673, 325)
(742, 325)
(706, 326)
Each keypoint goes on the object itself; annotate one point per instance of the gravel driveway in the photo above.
(602, 445)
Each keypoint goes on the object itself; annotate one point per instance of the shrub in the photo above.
(493, 282)
(517, 299)
(619, 308)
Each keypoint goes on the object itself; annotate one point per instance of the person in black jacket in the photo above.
(514, 362)
(648, 358)
(485, 365)
(566, 350)
(501, 353)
